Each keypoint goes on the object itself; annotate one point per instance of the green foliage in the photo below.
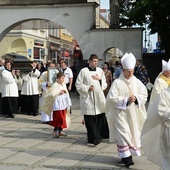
(156, 13)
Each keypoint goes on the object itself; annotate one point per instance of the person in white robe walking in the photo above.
(125, 111)
(155, 135)
(56, 105)
(44, 85)
(162, 81)
(90, 84)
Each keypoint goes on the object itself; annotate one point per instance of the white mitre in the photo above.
(128, 61)
(165, 65)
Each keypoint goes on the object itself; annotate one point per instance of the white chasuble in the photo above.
(126, 121)
(156, 131)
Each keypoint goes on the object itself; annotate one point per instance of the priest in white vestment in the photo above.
(162, 81)
(44, 85)
(90, 84)
(156, 131)
(125, 111)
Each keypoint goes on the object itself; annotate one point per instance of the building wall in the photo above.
(79, 24)
(97, 12)
(23, 45)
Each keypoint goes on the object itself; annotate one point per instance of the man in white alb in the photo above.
(90, 84)
(125, 111)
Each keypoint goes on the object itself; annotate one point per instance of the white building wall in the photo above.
(79, 24)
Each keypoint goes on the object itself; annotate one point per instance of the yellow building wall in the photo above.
(19, 45)
(65, 35)
(103, 23)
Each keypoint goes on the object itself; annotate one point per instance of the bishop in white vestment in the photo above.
(125, 111)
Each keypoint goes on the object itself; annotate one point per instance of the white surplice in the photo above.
(126, 121)
(156, 131)
(8, 85)
(88, 99)
(30, 83)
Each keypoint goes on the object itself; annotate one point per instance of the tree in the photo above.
(115, 11)
(156, 13)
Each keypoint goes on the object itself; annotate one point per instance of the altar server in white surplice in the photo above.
(56, 105)
(31, 91)
(125, 111)
(90, 84)
(9, 91)
(156, 131)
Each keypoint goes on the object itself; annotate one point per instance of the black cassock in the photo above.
(10, 105)
(97, 127)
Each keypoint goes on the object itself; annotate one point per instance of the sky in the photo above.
(104, 4)
(153, 38)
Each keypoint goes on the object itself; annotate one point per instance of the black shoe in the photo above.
(10, 116)
(96, 142)
(128, 161)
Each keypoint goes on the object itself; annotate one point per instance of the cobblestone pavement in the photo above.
(27, 144)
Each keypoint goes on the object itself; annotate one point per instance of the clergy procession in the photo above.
(113, 104)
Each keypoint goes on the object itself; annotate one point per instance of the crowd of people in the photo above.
(30, 92)
(112, 102)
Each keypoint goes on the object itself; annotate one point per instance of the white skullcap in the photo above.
(128, 61)
(165, 65)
